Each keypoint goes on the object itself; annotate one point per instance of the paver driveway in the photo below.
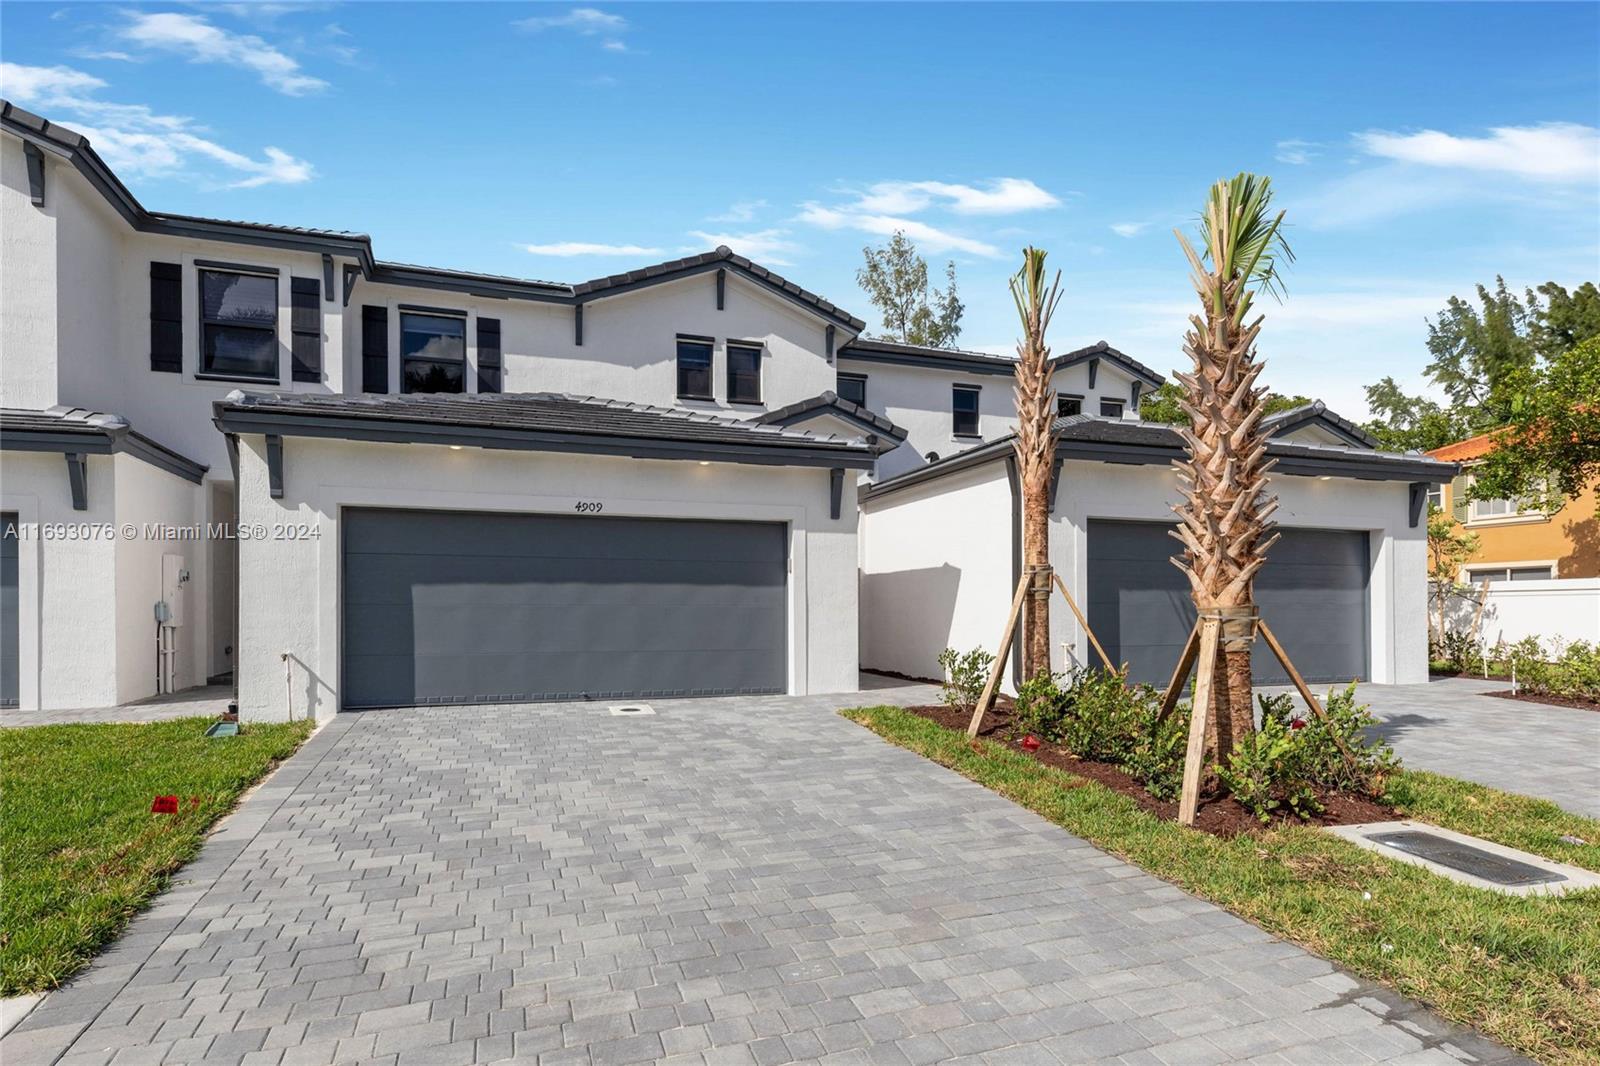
(730, 881)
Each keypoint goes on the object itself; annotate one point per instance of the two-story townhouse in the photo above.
(260, 450)
(425, 499)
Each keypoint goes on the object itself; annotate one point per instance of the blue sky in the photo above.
(1417, 148)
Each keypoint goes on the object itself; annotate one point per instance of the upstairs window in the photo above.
(964, 410)
(1483, 574)
(239, 325)
(433, 353)
(1489, 510)
(1069, 405)
(744, 373)
(1111, 408)
(694, 368)
(852, 387)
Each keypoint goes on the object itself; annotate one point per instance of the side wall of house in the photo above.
(148, 500)
(292, 582)
(28, 297)
(67, 636)
(936, 570)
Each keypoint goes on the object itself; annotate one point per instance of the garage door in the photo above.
(1312, 592)
(9, 665)
(446, 607)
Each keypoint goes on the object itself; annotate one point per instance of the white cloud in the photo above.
(585, 21)
(1297, 153)
(927, 237)
(1129, 229)
(110, 54)
(772, 247)
(201, 42)
(1552, 151)
(614, 45)
(1001, 196)
(574, 248)
(743, 211)
(134, 139)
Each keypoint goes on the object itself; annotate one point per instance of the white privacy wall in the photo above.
(292, 585)
(149, 500)
(936, 570)
(1560, 610)
(1397, 588)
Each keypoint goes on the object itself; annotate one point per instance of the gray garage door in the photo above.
(446, 607)
(1312, 592)
(9, 666)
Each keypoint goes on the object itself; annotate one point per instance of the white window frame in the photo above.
(1469, 574)
(1474, 518)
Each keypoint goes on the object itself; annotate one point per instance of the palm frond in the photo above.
(1243, 240)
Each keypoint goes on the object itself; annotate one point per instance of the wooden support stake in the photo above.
(1084, 622)
(1180, 675)
(1477, 616)
(986, 700)
(1305, 690)
(1210, 630)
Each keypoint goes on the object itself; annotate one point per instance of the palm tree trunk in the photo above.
(1035, 447)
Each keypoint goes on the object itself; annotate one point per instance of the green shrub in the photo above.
(1041, 707)
(1104, 716)
(1573, 670)
(1156, 760)
(964, 677)
(1454, 653)
(1269, 770)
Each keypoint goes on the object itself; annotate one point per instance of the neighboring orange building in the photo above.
(1519, 545)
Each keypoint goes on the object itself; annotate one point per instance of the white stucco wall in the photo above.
(1558, 611)
(290, 587)
(936, 570)
(27, 287)
(148, 500)
(915, 541)
(917, 399)
(67, 619)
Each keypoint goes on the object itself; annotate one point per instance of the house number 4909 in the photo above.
(588, 506)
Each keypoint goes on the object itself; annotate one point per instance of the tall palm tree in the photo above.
(1035, 443)
(1225, 518)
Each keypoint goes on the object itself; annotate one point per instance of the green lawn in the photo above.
(1525, 971)
(80, 852)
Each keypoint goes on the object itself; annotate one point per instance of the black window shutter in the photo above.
(305, 327)
(374, 349)
(166, 317)
(490, 372)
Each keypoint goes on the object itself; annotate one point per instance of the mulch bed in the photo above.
(1549, 700)
(1220, 816)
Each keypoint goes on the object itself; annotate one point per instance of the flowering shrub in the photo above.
(964, 677)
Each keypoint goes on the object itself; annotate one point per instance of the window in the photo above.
(1435, 497)
(239, 325)
(1480, 575)
(433, 353)
(853, 387)
(1069, 405)
(964, 410)
(744, 373)
(1488, 510)
(694, 368)
(1111, 408)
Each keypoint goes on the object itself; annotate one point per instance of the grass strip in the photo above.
(80, 851)
(1522, 970)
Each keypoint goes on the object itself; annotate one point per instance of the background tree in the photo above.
(1035, 443)
(1550, 451)
(1405, 422)
(1225, 518)
(1449, 547)
(1165, 404)
(895, 279)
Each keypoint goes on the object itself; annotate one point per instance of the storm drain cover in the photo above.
(1466, 858)
(632, 708)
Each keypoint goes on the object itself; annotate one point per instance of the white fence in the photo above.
(1565, 609)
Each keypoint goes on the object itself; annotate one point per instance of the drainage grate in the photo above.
(632, 708)
(1466, 858)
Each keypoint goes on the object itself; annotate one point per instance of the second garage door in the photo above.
(1312, 592)
(446, 607)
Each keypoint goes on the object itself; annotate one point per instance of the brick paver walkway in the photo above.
(727, 881)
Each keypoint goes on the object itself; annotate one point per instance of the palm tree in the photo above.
(1225, 518)
(1035, 445)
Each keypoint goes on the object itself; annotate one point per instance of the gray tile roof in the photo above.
(830, 403)
(1120, 440)
(872, 350)
(1316, 411)
(1102, 350)
(538, 416)
(64, 429)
